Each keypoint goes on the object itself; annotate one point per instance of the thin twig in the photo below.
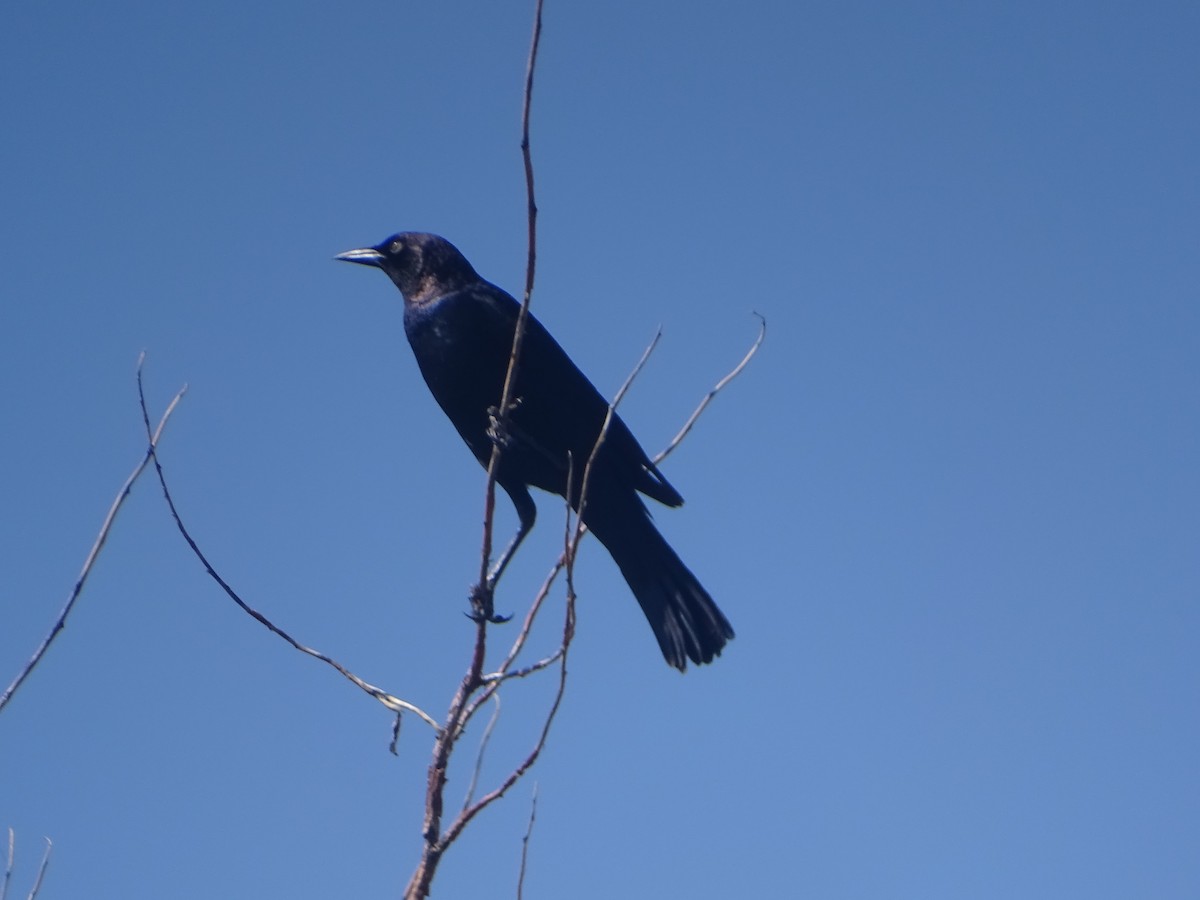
(708, 398)
(483, 742)
(394, 704)
(525, 841)
(608, 417)
(515, 775)
(558, 566)
(8, 869)
(530, 615)
(523, 672)
(514, 359)
(493, 680)
(37, 884)
(572, 545)
(117, 503)
(394, 744)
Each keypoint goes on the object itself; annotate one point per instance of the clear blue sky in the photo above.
(953, 509)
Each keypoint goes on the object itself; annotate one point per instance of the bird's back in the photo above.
(462, 342)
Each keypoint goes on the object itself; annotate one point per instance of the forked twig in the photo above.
(154, 436)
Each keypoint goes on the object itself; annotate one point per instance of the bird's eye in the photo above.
(396, 249)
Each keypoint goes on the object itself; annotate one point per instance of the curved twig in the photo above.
(393, 703)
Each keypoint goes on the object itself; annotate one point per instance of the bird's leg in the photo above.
(527, 515)
(498, 566)
(481, 595)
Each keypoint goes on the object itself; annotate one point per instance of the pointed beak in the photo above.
(366, 256)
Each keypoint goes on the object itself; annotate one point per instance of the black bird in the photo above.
(461, 330)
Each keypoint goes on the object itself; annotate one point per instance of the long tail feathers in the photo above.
(685, 620)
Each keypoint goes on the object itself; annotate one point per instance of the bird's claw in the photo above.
(498, 428)
(482, 609)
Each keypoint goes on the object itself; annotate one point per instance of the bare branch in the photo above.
(392, 703)
(484, 590)
(105, 528)
(483, 742)
(37, 884)
(461, 707)
(708, 398)
(8, 868)
(571, 546)
(394, 745)
(514, 776)
(530, 615)
(525, 841)
(502, 674)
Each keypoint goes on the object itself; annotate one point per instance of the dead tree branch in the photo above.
(717, 388)
(482, 595)
(525, 842)
(41, 873)
(392, 703)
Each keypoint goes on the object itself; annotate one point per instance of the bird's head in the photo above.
(424, 266)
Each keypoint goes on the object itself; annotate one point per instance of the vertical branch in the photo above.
(530, 201)
(571, 537)
(435, 841)
(514, 359)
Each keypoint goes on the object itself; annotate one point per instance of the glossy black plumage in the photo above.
(461, 329)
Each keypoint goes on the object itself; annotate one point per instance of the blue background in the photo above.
(953, 508)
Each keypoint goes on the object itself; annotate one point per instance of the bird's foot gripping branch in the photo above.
(483, 608)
